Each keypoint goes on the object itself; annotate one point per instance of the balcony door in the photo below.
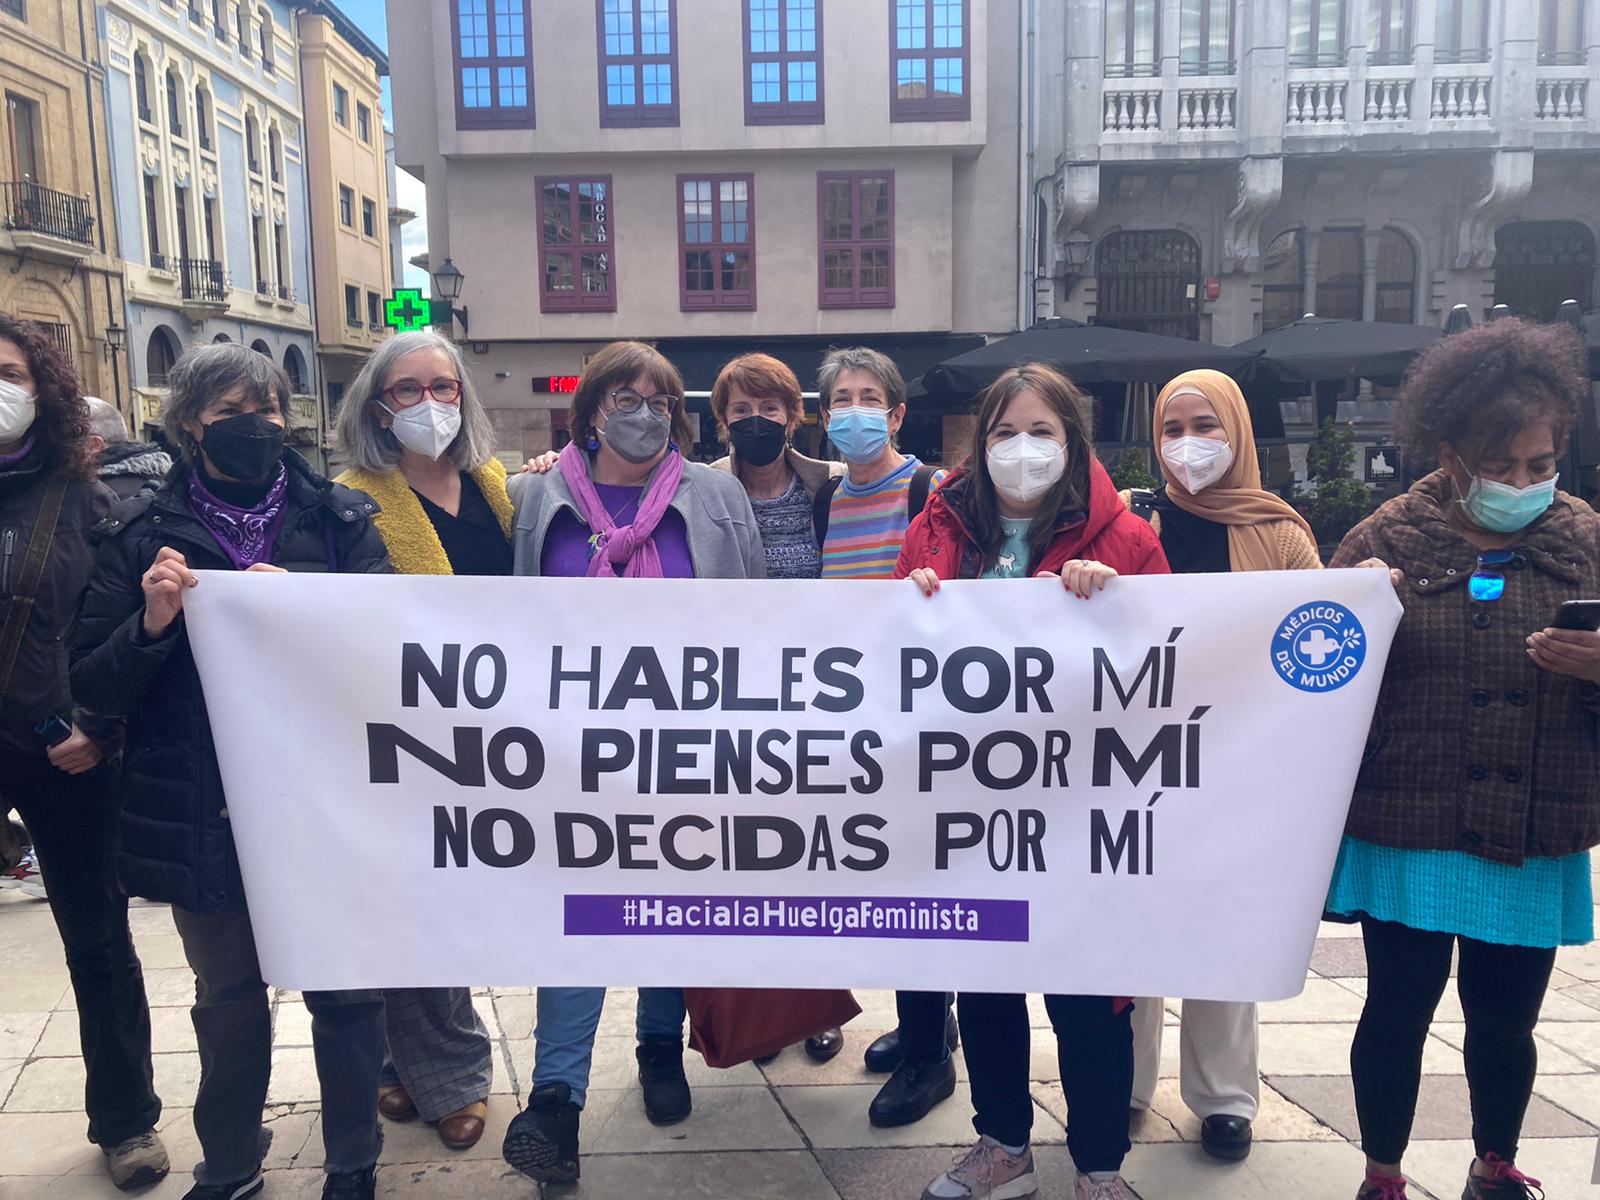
(22, 123)
(1149, 280)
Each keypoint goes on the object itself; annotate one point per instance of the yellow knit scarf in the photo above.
(414, 547)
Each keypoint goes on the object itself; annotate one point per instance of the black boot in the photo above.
(825, 1046)
(542, 1140)
(1226, 1137)
(666, 1089)
(912, 1091)
(885, 1053)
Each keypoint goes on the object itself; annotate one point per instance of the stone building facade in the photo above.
(209, 175)
(59, 258)
(780, 175)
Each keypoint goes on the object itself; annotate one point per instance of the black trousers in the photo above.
(922, 1016)
(1501, 989)
(1094, 1046)
(71, 819)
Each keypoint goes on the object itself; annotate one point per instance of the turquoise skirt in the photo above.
(1544, 903)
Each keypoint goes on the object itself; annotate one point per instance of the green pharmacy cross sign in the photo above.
(408, 309)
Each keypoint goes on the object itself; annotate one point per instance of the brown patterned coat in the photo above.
(1473, 747)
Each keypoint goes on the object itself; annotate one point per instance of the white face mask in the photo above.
(18, 407)
(1196, 462)
(1025, 467)
(427, 427)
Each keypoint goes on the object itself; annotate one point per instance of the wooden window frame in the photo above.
(929, 107)
(855, 296)
(496, 115)
(638, 115)
(578, 301)
(782, 111)
(717, 300)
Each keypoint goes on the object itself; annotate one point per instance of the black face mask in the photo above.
(758, 440)
(243, 447)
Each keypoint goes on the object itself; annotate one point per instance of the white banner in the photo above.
(439, 781)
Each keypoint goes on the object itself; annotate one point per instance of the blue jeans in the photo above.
(566, 1023)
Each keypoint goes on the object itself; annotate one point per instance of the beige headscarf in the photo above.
(1237, 500)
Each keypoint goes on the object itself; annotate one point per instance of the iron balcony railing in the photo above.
(37, 209)
(285, 292)
(203, 279)
(263, 288)
(160, 262)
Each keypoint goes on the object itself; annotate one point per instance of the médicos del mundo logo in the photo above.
(1319, 647)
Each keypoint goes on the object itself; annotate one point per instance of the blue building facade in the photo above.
(208, 166)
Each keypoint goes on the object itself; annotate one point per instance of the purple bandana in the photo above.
(246, 535)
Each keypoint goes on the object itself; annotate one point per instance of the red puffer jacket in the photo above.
(1109, 534)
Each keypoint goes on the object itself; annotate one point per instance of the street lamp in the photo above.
(447, 281)
(116, 340)
(1075, 252)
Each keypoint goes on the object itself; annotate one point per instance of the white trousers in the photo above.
(1217, 1069)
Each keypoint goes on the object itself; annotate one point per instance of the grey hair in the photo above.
(860, 358)
(206, 373)
(105, 421)
(368, 446)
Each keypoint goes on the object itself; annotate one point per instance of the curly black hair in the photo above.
(1476, 389)
(62, 423)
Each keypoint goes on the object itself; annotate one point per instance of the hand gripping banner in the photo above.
(437, 781)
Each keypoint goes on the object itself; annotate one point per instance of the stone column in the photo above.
(1310, 246)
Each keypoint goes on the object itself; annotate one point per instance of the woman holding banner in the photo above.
(420, 444)
(1033, 501)
(238, 500)
(1476, 804)
(1213, 515)
(622, 502)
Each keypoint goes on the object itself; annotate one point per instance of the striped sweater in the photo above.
(866, 525)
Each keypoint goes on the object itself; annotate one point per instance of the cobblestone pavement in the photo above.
(791, 1130)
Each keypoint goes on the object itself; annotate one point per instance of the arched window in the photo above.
(1397, 278)
(266, 38)
(174, 105)
(241, 24)
(159, 356)
(294, 366)
(1149, 280)
(274, 152)
(202, 117)
(1339, 274)
(141, 85)
(1283, 278)
(220, 338)
(1538, 264)
(260, 347)
(252, 142)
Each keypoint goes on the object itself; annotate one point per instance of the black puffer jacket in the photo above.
(38, 687)
(176, 844)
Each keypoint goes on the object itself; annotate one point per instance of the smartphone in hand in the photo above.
(53, 730)
(1578, 614)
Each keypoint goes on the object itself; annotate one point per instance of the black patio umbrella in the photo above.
(1312, 350)
(1087, 354)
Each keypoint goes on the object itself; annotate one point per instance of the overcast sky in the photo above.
(409, 192)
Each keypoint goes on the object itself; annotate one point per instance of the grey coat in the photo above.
(724, 542)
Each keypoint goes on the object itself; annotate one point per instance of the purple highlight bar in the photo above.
(917, 917)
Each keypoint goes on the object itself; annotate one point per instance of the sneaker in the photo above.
(1383, 1187)
(237, 1190)
(137, 1161)
(666, 1088)
(25, 877)
(986, 1172)
(542, 1140)
(351, 1185)
(1114, 1188)
(1504, 1182)
(911, 1092)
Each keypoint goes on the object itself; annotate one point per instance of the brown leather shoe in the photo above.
(461, 1130)
(395, 1103)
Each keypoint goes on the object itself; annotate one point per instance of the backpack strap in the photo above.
(20, 605)
(1142, 504)
(819, 508)
(921, 485)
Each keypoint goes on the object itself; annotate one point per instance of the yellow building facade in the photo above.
(349, 193)
(59, 258)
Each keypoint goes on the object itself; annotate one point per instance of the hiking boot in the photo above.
(912, 1091)
(986, 1172)
(137, 1161)
(666, 1088)
(1383, 1187)
(1504, 1182)
(1112, 1188)
(351, 1185)
(542, 1140)
(239, 1189)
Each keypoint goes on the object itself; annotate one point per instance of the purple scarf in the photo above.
(246, 535)
(20, 453)
(632, 546)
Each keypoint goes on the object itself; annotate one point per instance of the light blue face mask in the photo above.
(860, 433)
(1504, 509)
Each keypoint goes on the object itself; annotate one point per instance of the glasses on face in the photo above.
(1488, 581)
(408, 392)
(627, 400)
